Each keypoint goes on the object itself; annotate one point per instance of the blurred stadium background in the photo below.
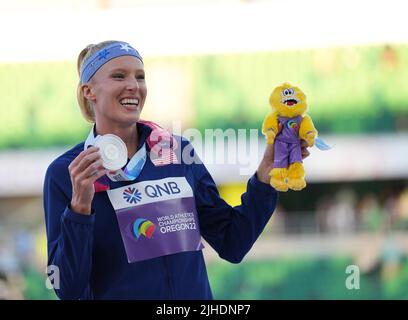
(213, 64)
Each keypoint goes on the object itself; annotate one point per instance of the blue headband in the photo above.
(99, 58)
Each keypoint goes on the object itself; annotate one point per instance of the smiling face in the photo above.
(288, 100)
(117, 91)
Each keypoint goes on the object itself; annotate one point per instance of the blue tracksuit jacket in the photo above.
(90, 255)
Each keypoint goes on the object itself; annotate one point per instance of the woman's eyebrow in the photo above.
(125, 70)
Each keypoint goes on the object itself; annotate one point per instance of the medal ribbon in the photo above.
(161, 144)
(129, 173)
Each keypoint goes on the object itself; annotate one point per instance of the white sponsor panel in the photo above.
(150, 191)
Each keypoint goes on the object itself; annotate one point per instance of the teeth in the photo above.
(129, 101)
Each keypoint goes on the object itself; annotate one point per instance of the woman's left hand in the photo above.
(266, 164)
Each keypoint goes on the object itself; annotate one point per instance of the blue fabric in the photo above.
(107, 53)
(90, 253)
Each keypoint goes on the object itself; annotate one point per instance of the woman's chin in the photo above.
(133, 113)
(128, 118)
(132, 109)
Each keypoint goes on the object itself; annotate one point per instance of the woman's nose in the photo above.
(132, 85)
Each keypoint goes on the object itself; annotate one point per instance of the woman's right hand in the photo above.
(84, 170)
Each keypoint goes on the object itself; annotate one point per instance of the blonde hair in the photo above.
(84, 104)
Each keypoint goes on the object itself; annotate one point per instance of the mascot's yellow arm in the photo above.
(270, 127)
(307, 131)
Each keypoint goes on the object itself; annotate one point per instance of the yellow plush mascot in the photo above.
(285, 127)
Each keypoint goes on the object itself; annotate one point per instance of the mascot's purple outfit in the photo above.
(287, 142)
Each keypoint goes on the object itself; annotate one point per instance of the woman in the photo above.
(155, 253)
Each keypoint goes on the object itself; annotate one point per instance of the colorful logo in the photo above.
(143, 227)
(132, 195)
(292, 125)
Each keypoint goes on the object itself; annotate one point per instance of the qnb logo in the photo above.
(143, 227)
(156, 191)
(132, 195)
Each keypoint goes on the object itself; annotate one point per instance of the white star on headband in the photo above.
(125, 47)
